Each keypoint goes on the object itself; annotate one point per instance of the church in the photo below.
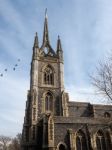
(52, 121)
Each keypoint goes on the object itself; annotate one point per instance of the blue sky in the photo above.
(85, 28)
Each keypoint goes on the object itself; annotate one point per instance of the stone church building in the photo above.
(51, 121)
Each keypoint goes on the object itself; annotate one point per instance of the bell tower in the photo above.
(46, 84)
(47, 74)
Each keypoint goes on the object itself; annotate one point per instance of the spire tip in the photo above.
(46, 13)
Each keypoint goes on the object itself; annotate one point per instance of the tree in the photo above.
(15, 143)
(102, 80)
(4, 142)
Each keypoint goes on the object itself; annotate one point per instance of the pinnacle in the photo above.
(59, 48)
(36, 40)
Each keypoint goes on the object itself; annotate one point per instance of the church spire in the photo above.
(46, 34)
(36, 44)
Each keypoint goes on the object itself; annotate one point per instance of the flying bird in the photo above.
(5, 70)
(16, 65)
(1, 74)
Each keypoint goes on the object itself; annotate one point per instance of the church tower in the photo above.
(46, 88)
(51, 121)
(46, 75)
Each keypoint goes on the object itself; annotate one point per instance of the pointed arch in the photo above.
(48, 75)
(49, 102)
(62, 146)
(81, 142)
(100, 140)
(107, 115)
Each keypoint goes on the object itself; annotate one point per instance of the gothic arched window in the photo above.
(49, 102)
(107, 115)
(100, 141)
(81, 143)
(48, 76)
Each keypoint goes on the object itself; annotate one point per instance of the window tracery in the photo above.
(48, 76)
(100, 141)
(81, 143)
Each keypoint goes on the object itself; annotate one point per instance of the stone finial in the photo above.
(59, 47)
(36, 44)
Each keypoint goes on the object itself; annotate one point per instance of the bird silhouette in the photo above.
(16, 65)
(13, 68)
(1, 74)
(5, 70)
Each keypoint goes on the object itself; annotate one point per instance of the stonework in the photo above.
(51, 121)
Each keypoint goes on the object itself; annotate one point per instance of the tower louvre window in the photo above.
(49, 102)
(48, 76)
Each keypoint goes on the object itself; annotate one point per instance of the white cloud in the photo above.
(85, 94)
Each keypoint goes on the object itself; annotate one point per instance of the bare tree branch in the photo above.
(102, 80)
(15, 143)
(4, 141)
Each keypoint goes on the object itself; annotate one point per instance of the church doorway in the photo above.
(62, 147)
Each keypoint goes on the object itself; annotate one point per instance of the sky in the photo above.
(85, 29)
